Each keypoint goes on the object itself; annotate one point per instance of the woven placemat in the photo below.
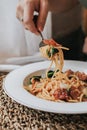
(18, 117)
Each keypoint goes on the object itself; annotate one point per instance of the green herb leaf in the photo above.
(36, 78)
(54, 50)
(50, 73)
(48, 53)
(29, 82)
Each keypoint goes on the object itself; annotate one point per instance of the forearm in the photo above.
(61, 5)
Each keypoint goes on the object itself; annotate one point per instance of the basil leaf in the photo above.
(54, 51)
(48, 53)
(50, 73)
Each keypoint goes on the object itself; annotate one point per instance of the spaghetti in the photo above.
(58, 86)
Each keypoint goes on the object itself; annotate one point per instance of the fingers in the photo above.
(19, 11)
(25, 10)
(29, 8)
(42, 14)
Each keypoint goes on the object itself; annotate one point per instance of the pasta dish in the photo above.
(58, 86)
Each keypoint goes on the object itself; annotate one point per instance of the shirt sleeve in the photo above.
(84, 3)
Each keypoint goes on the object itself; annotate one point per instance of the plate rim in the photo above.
(39, 108)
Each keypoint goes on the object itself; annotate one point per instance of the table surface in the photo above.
(15, 116)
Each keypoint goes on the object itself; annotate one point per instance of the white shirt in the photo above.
(16, 43)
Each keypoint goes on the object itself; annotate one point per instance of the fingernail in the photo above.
(40, 29)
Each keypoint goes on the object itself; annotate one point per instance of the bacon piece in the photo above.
(81, 88)
(74, 92)
(82, 76)
(61, 94)
(69, 72)
(51, 42)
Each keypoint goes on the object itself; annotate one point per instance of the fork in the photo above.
(35, 21)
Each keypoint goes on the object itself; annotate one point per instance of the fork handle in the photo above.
(35, 22)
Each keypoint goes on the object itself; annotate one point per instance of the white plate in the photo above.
(8, 67)
(13, 86)
(26, 60)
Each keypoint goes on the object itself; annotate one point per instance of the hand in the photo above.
(25, 13)
(26, 8)
(85, 46)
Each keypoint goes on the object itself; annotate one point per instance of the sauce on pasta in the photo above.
(58, 86)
